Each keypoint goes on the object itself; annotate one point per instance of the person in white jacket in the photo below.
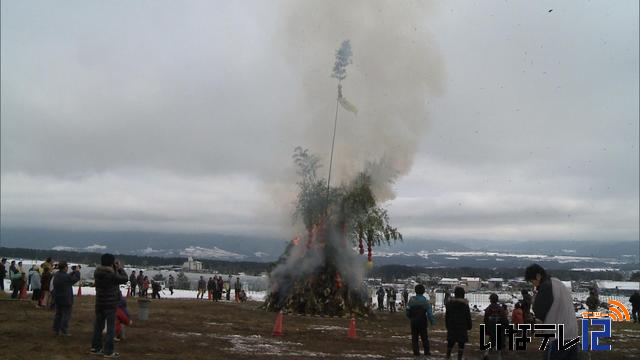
(553, 304)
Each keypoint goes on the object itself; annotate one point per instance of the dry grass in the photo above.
(205, 330)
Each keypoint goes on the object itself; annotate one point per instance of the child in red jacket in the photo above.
(517, 316)
(122, 318)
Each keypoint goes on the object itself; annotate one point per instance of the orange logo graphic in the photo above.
(614, 311)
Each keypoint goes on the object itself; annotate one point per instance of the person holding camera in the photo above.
(108, 277)
(63, 283)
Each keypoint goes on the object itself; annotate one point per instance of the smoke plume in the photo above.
(396, 68)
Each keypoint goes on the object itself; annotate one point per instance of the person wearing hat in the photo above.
(108, 277)
(63, 283)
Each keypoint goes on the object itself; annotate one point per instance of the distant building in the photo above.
(470, 283)
(192, 265)
(495, 283)
(448, 282)
(617, 287)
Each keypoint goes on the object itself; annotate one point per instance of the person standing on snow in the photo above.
(133, 282)
(458, 322)
(419, 312)
(171, 283)
(140, 281)
(380, 294)
(237, 289)
(202, 287)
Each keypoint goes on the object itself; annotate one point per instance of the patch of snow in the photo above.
(206, 253)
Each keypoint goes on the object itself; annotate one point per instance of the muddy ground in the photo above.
(200, 329)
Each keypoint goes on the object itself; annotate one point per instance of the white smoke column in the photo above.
(396, 68)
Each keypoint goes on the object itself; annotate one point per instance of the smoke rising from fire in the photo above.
(396, 68)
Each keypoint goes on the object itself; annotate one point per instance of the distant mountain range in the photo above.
(415, 252)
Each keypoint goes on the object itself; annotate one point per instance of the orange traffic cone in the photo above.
(23, 292)
(277, 327)
(209, 294)
(351, 334)
(79, 291)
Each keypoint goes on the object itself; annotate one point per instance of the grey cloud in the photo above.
(182, 116)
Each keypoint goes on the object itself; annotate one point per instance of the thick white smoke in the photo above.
(396, 68)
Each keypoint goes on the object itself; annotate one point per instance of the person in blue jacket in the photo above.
(419, 312)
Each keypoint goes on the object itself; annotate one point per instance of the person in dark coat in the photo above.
(202, 287)
(635, 306)
(171, 283)
(3, 273)
(210, 288)
(108, 277)
(15, 276)
(593, 302)
(458, 321)
(380, 294)
(494, 314)
(140, 281)
(405, 297)
(553, 305)
(63, 285)
(133, 282)
(419, 312)
(237, 287)
(45, 287)
(155, 289)
(391, 299)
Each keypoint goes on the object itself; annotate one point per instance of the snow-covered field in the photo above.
(254, 287)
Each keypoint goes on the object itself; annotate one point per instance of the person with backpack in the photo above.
(63, 283)
(553, 305)
(458, 322)
(419, 313)
(108, 277)
(494, 315)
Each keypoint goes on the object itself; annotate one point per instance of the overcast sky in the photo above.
(505, 120)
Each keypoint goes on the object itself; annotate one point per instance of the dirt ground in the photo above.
(200, 329)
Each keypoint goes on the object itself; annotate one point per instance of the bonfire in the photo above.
(320, 271)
